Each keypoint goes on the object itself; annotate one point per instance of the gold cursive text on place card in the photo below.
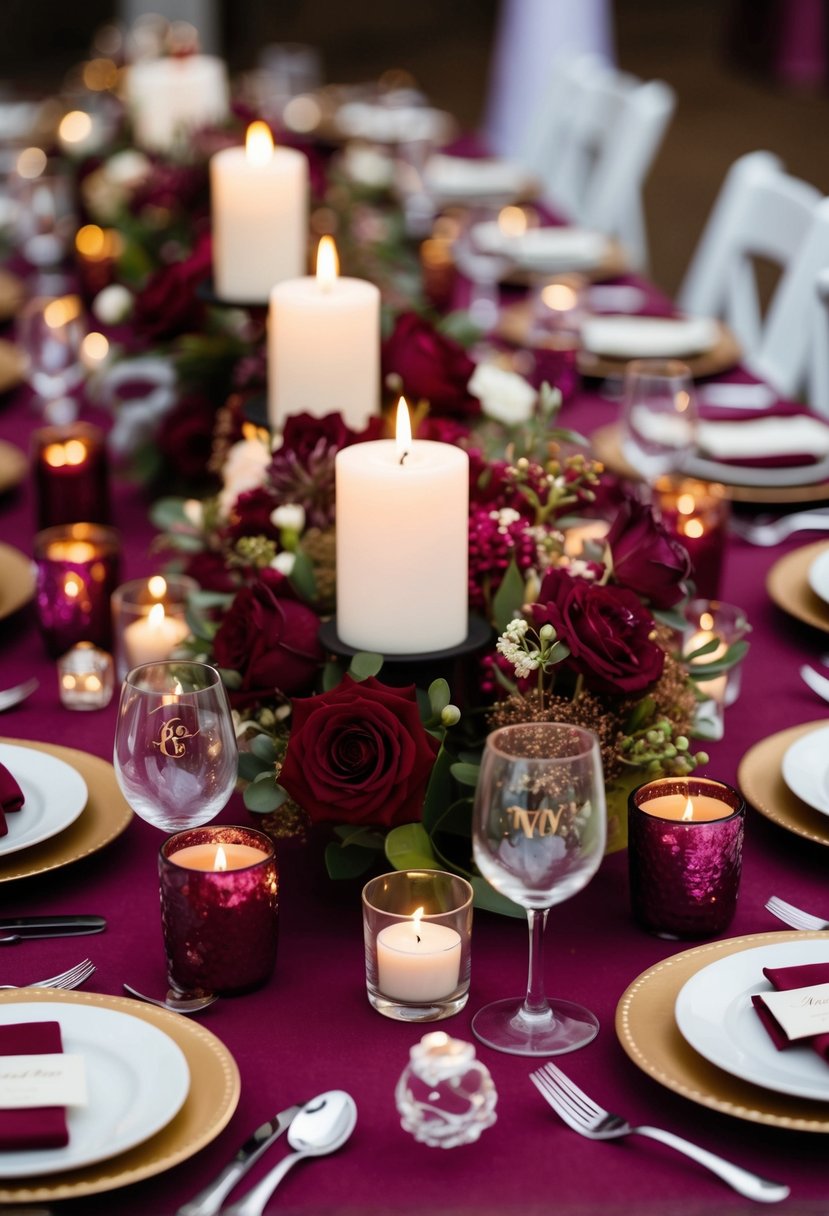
(172, 739)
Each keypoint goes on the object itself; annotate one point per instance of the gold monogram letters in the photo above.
(172, 738)
(543, 822)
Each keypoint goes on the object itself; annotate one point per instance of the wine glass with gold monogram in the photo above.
(538, 835)
(175, 750)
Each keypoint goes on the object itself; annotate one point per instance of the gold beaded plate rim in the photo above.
(213, 1096)
(17, 580)
(13, 466)
(654, 1044)
(760, 778)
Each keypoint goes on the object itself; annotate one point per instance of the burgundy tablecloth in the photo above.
(312, 1028)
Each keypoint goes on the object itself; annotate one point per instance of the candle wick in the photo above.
(403, 457)
(417, 938)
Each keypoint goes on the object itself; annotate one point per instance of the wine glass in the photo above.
(175, 750)
(538, 836)
(659, 417)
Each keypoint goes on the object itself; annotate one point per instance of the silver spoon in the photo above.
(13, 696)
(174, 1001)
(322, 1126)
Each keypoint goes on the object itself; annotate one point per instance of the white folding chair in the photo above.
(760, 212)
(818, 370)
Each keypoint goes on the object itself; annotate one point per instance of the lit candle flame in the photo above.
(72, 586)
(706, 621)
(60, 312)
(258, 143)
(57, 455)
(688, 813)
(417, 916)
(328, 264)
(220, 862)
(512, 221)
(155, 618)
(157, 587)
(403, 431)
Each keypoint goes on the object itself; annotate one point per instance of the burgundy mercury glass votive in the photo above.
(71, 475)
(696, 513)
(219, 908)
(77, 572)
(685, 847)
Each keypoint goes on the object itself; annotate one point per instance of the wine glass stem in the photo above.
(536, 1004)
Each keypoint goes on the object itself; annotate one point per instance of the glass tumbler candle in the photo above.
(417, 926)
(696, 513)
(219, 908)
(709, 621)
(77, 572)
(149, 619)
(71, 475)
(685, 846)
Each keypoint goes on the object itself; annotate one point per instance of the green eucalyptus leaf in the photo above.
(439, 696)
(262, 797)
(332, 674)
(362, 837)
(263, 748)
(466, 774)
(489, 900)
(439, 790)
(343, 862)
(509, 597)
(365, 664)
(168, 513)
(302, 577)
(408, 848)
(671, 617)
(185, 542)
(230, 678)
(250, 766)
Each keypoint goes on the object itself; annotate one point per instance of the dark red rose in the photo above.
(430, 366)
(210, 572)
(606, 629)
(250, 515)
(185, 437)
(172, 187)
(359, 754)
(303, 434)
(270, 638)
(646, 558)
(168, 305)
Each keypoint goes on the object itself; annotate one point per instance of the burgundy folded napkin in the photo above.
(11, 797)
(35, 1126)
(784, 979)
(781, 436)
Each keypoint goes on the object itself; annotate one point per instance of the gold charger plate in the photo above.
(208, 1107)
(13, 466)
(760, 777)
(11, 366)
(647, 1030)
(105, 816)
(17, 580)
(723, 355)
(607, 447)
(11, 294)
(788, 585)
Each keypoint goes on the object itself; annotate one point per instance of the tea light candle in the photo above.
(696, 512)
(150, 619)
(714, 688)
(259, 209)
(418, 961)
(402, 543)
(77, 572)
(709, 621)
(685, 839)
(219, 908)
(71, 475)
(153, 638)
(85, 677)
(324, 345)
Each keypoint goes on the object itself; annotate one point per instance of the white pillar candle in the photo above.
(418, 961)
(152, 638)
(259, 208)
(324, 345)
(171, 96)
(402, 544)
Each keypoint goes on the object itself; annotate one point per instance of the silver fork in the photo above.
(15, 694)
(796, 917)
(583, 1115)
(72, 978)
(772, 533)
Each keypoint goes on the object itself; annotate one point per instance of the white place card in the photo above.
(52, 1079)
(801, 1013)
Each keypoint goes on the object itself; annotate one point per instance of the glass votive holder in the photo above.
(219, 908)
(710, 621)
(77, 572)
(149, 619)
(86, 677)
(71, 474)
(685, 848)
(417, 926)
(696, 513)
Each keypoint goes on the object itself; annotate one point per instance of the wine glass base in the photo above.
(505, 1026)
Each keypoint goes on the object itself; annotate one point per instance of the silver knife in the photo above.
(23, 928)
(209, 1201)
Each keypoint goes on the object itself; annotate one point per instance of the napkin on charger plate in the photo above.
(785, 979)
(34, 1126)
(780, 436)
(11, 797)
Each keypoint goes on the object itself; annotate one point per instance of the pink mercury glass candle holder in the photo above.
(77, 572)
(685, 847)
(71, 474)
(220, 925)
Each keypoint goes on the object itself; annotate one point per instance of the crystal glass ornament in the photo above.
(445, 1096)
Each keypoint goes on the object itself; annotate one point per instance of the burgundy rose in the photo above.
(430, 366)
(606, 629)
(303, 433)
(210, 572)
(168, 305)
(270, 638)
(646, 558)
(185, 437)
(359, 754)
(250, 515)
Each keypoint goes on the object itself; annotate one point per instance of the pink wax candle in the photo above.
(71, 475)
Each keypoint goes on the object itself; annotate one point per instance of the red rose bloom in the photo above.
(606, 630)
(645, 557)
(185, 437)
(168, 305)
(359, 754)
(430, 366)
(270, 638)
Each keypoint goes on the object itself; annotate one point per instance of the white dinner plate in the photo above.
(459, 178)
(806, 769)
(137, 1080)
(746, 475)
(819, 576)
(625, 337)
(55, 795)
(547, 249)
(715, 1015)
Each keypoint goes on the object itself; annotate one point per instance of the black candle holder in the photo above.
(255, 410)
(400, 670)
(206, 292)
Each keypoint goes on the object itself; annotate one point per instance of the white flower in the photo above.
(504, 396)
(290, 516)
(194, 512)
(113, 305)
(127, 168)
(244, 470)
(284, 563)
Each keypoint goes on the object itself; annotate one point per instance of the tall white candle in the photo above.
(402, 544)
(259, 208)
(171, 96)
(324, 345)
(418, 961)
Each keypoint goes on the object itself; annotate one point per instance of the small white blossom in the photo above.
(290, 515)
(516, 629)
(284, 563)
(244, 470)
(127, 168)
(579, 568)
(504, 396)
(113, 305)
(194, 512)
